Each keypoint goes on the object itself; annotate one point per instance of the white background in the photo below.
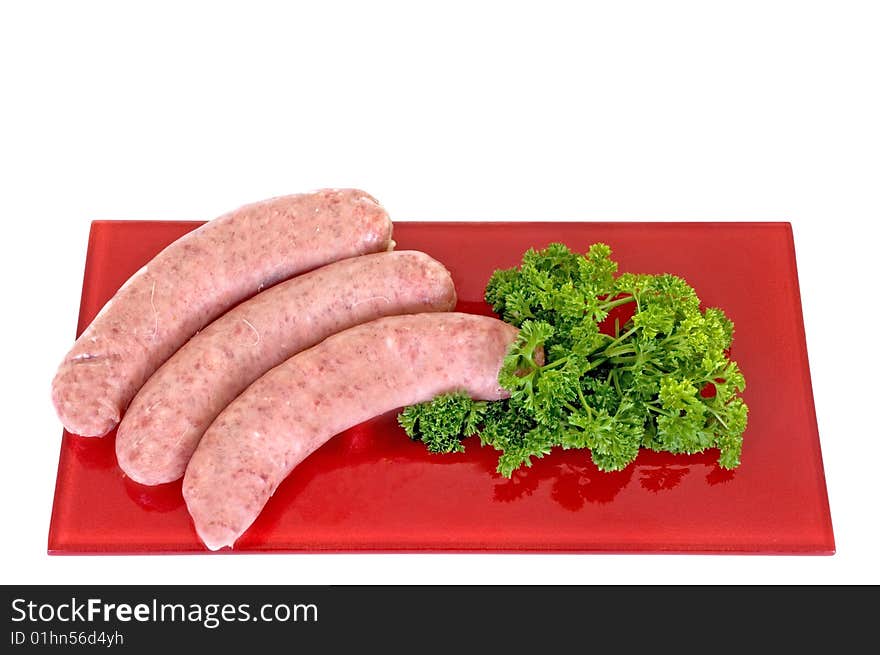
(542, 110)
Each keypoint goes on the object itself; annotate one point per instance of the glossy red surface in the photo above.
(371, 489)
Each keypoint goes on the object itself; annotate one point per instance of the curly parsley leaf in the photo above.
(442, 423)
(613, 394)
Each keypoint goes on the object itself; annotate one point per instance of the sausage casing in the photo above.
(346, 379)
(197, 278)
(168, 416)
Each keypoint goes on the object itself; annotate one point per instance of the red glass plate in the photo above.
(372, 489)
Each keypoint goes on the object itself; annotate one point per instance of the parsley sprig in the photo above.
(662, 380)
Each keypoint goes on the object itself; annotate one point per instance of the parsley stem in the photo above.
(616, 383)
(622, 337)
(611, 304)
(715, 414)
(596, 363)
(555, 363)
(583, 400)
(624, 350)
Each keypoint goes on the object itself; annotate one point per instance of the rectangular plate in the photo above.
(372, 489)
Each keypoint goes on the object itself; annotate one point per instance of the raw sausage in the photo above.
(193, 281)
(169, 415)
(197, 278)
(346, 379)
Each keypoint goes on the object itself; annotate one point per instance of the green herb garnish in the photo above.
(662, 380)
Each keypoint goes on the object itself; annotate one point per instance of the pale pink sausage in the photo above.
(346, 379)
(169, 415)
(197, 278)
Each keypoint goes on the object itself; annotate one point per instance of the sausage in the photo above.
(169, 415)
(197, 278)
(346, 379)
